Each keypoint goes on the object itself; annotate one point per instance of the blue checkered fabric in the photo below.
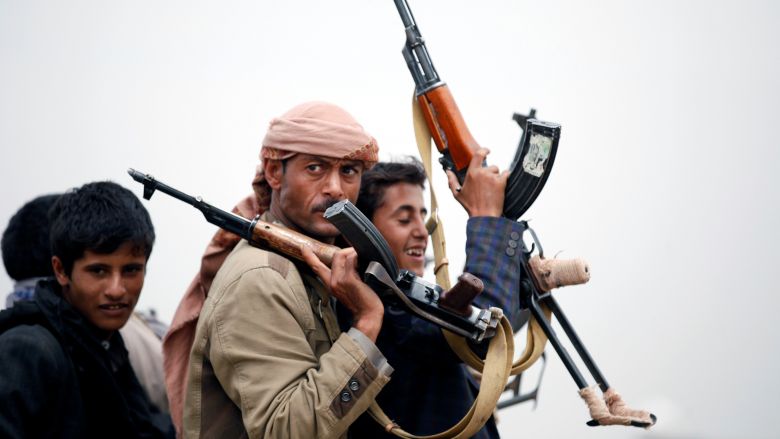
(493, 255)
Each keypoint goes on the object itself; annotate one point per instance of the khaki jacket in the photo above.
(269, 360)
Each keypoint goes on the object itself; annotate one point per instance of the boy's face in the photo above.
(104, 288)
(401, 220)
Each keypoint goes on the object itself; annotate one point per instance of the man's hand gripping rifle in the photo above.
(449, 309)
(538, 144)
(528, 175)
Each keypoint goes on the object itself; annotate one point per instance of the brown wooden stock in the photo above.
(448, 129)
(289, 242)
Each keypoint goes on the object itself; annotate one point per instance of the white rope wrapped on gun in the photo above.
(556, 273)
(609, 410)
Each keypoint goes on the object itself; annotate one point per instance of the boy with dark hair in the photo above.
(27, 259)
(66, 372)
(431, 389)
(383, 175)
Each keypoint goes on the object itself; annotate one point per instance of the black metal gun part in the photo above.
(531, 297)
(403, 287)
(422, 299)
(220, 218)
(362, 235)
(531, 165)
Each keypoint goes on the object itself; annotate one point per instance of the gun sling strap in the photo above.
(498, 365)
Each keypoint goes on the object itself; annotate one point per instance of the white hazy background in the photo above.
(665, 180)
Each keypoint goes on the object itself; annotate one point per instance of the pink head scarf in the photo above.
(316, 128)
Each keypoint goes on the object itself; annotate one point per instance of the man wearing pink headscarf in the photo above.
(268, 358)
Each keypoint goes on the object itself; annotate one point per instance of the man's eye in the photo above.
(349, 170)
(314, 168)
(97, 270)
(133, 269)
(404, 220)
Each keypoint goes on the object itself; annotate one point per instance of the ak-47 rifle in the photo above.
(538, 143)
(528, 175)
(449, 309)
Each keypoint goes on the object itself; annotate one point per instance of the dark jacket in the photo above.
(60, 380)
(431, 389)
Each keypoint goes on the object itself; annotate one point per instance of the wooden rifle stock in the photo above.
(289, 242)
(447, 127)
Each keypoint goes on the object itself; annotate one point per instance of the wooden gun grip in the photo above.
(289, 242)
(458, 298)
(448, 129)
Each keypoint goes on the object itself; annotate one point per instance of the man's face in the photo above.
(401, 220)
(104, 288)
(308, 185)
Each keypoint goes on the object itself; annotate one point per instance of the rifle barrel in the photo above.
(416, 54)
(151, 184)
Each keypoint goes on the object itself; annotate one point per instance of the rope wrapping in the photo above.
(556, 273)
(612, 410)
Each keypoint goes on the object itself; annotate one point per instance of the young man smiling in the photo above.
(431, 390)
(66, 372)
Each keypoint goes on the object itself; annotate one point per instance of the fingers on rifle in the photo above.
(453, 183)
(338, 260)
(478, 157)
(343, 266)
(316, 265)
(337, 270)
(308, 255)
(351, 261)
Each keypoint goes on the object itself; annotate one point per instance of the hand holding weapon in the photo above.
(528, 174)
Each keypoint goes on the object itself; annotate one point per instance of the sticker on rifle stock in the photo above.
(538, 153)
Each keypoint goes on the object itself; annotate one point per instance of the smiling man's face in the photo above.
(400, 218)
(104, 288)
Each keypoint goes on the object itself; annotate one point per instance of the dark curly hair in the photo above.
(375, 181)
(99, 217)
(25, 243)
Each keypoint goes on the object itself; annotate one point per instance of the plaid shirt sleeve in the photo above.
(493, 255)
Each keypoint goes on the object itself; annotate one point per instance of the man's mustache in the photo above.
(324, 205)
